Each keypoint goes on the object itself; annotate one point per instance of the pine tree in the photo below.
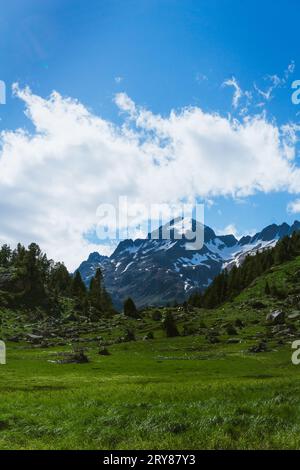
(130, 309)
(60, 279)
(79, 293)
(95, 291)
(34, 273)
(169, 325)
(99, 298)
(78, 286)
(5, 256)
(267, 289)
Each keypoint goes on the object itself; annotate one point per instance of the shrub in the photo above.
(169, 325)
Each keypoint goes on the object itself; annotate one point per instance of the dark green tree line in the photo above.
(36, 282)
(228, 284)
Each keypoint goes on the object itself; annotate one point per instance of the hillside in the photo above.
(243, 315)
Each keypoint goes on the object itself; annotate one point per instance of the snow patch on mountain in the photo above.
(156, 272)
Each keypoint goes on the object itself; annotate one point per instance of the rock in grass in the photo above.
(233, 341)
(104, 352)
(129, 335)
(148, 336)
(189, 330)
(258, 348)
(294, 316)
(80, 358)
(277, 317)
(212, 339)
(77, 357)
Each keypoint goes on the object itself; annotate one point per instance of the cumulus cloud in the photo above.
(53, 179)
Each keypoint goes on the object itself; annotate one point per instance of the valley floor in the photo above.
(163, 394)
(205, 389)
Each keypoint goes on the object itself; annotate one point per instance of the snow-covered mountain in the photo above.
(156, 271)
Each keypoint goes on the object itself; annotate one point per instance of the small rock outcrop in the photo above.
(277, 317)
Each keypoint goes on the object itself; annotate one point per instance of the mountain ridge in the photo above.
(158, 272)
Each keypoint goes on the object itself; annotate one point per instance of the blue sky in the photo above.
(165, 55)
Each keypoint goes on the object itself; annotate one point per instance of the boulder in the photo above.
(212, 339)
(233, 341)
(77, 357)
(104, 352)
(148, 336)
(277, 317)
(36, 339)
(258, 348)
(294, 316)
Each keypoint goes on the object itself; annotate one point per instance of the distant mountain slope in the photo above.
(156, 272)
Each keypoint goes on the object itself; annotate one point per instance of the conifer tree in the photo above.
(78, 286)
(34, 273)
(60, 279)
(130, 309)
(95, 291)
(169, 325)
(267, 289)
(5, 256)
(99, 298)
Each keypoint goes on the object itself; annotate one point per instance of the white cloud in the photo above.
(201, 77)
(238, 93)
(125, 104)
(52, 181)
(229, 230)
(118, 80)
(266, 95)
(275, 82)
(290, 69)
(294, 207)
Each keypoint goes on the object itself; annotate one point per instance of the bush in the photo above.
(156, 315)
(129, 336)
(189, 330)
(169, 325)
(238, 323)
(230, 330)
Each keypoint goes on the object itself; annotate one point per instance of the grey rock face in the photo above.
(158, 272)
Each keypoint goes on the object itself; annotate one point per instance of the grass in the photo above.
(165, 394)
(179, 393)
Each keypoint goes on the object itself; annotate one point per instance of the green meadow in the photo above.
(164, 394)
(186, 392)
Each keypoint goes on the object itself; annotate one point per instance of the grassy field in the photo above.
(166, 393)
